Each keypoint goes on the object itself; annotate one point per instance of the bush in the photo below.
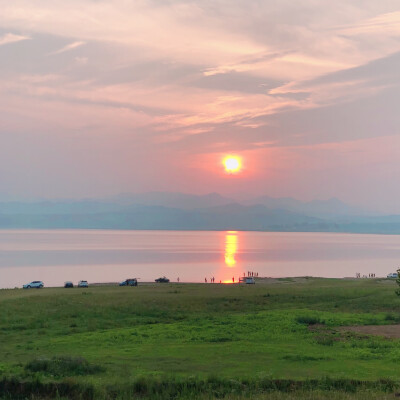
(309, 320)
(326, 340)
(392, 317)
(14, 388)
(63, 366)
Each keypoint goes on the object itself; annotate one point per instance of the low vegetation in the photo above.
(281, 339)
(63, 366)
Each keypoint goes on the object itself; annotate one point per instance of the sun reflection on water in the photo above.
(231, 246)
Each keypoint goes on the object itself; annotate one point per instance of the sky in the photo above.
(105, 97)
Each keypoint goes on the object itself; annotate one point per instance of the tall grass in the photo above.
(172, 388)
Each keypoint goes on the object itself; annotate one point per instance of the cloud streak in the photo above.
(69, 47)
(12, 38)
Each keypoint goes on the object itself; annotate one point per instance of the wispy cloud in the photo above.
(12, 38)
(388, 23)
(69, 47)
(199, 76)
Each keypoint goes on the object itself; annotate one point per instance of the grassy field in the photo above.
(278, 339)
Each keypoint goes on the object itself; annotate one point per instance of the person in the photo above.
(205, 280)
(233, 279)
(178, 279)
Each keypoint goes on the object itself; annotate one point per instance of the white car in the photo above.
(34, 284)
(83, 284)
(393, 275)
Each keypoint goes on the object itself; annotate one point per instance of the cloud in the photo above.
(196, 77)
(12, 38)
(81, 60)
(69, 47)
(388, 23)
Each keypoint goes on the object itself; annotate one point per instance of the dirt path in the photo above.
(389, 331)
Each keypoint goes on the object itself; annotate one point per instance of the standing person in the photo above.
(233, 279)
(205, 280)
(178, 279)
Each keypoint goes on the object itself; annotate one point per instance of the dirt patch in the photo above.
(389, 331)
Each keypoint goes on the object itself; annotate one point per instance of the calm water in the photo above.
(109, 256)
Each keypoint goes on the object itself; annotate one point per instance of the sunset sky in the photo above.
(103, 97)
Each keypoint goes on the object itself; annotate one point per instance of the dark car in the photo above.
(68, 284)
(162, 280)
(129, 282)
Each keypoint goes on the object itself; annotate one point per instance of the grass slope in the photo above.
(188, 340)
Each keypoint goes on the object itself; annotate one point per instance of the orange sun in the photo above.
(232, 164)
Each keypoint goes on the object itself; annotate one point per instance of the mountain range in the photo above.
(180, 211)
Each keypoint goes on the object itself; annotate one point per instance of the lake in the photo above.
(55, 256)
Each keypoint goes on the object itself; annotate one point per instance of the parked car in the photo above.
(34, 284)
(68, 284)
(83, 284)
(393, 275)
(162, 280)
(249, 280)
(129, 282)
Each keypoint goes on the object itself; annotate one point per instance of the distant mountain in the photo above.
(230, 217)
(169, 211)
(331, 208)
(58, 207)
(172, 199)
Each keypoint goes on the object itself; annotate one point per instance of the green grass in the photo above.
(172, 340)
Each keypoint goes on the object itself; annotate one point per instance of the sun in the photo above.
(232, 164)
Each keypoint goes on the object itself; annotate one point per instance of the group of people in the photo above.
(358, 275)
(249, 273)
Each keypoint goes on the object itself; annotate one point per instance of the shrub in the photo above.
(63, 366)
(326, 340)
(309, 320)
(398, 282)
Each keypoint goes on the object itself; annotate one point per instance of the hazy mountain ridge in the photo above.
(173, 199)
(179, 211)
(330, 208)
(233, 217)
